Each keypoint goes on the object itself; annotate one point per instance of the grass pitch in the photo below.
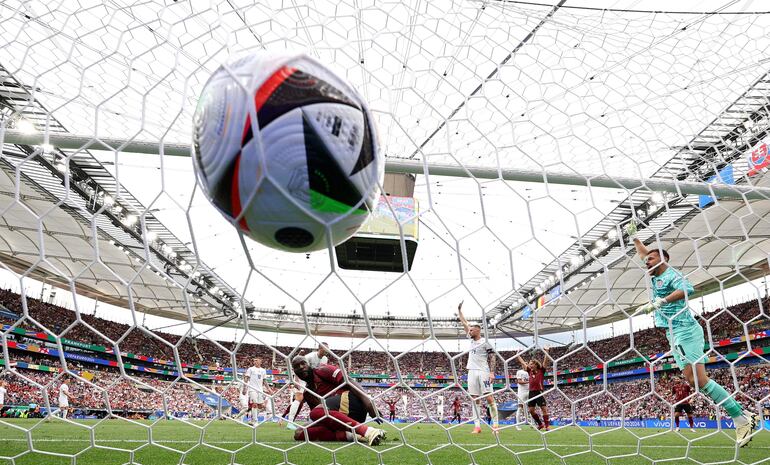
(115, 442)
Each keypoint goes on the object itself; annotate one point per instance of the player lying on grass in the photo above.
(346, 406)
(669, 304)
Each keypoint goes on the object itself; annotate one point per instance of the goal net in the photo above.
(529, 136)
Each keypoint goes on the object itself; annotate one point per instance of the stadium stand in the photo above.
(155, 387)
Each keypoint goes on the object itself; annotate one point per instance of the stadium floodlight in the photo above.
(657, 198)
(25, 127)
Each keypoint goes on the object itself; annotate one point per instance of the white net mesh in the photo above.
(121, 281)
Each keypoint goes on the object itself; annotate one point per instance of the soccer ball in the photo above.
(287, 151)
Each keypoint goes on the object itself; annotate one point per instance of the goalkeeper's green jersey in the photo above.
(677, 312)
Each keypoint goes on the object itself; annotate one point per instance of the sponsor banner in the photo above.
(32, 366)
(700, 423)
(110, 363)
(213, 400)
(7, 314)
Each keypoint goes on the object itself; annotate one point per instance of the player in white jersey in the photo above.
(3, 391)
(314, 359)
(481, 372)
(522, 380)
(64, 400)
(440, 408)
(257, 387)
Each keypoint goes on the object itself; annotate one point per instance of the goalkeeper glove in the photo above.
(631, 230)
(655, 304)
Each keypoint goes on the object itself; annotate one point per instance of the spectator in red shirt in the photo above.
(346, 402)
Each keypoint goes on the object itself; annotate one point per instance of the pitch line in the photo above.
(463, 444)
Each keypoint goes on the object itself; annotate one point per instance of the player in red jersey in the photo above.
(457, 407)
(346, 402)
(392, 406)
(536, 370)
(682, 393)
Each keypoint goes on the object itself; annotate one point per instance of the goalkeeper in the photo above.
(685, 335)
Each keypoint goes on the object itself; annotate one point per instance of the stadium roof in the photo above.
(471, 83)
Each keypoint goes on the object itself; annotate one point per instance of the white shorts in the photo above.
(523, 398)
(478, 383)
(64, 402)
(256, 397)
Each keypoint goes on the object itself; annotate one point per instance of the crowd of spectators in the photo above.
(143, 392)
(722, 323)
(632, 399)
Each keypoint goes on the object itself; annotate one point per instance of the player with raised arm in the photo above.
(481, 372)
(536, 371)
(522, 382)
(682, 392)
(670, 290)
(392, 408)
(257, 387)
(314, 359)
(346, 402)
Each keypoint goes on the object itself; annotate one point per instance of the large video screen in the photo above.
(383, 222)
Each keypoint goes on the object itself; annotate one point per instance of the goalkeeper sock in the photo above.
(547, 420)
(718, 394)
(293, 410)
(476, 416)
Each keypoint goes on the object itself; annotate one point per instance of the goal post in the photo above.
(402, 165)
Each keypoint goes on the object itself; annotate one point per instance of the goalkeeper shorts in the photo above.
(687, 345)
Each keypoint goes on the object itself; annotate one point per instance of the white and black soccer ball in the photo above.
(283, 148)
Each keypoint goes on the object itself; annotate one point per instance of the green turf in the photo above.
(222, 442)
